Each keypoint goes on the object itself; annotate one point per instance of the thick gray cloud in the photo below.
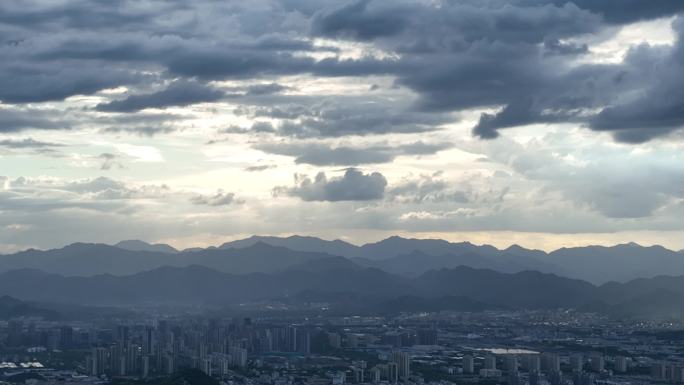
(511, 54)
(176, 94)
(356, 20)
(27, 143)
(13, 120)
(344, 116)
(319, 154)
(354, 185)
(625, 11)
(659, 108)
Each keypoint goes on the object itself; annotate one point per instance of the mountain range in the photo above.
(370, 290)
(396, 255)
(392, 275)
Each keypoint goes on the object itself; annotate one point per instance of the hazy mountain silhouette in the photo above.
(81, 259)
(11, 307)
(418, 262)
(527, 289)
(409, 257)
(596, 264)
(193, 285)
(297, 243)
(599, 264)
(137, 245)
(461, 288)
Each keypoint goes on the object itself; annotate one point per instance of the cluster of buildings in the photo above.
(215, 348)
(412, 349)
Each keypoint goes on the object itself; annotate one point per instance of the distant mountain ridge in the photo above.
(596, 264)
(360, 289)
(82, 259)
(138, 245)
(396, 255)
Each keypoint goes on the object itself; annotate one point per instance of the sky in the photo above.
(543, 123)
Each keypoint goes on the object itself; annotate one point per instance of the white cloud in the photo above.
(141, 153)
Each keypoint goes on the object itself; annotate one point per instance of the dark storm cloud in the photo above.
(509, 54)
(343, 116)
(318, 154)
(625, 11)
(143, 123)
(354, 185)
(358, 21)
(659, 109)
(176, 94)
(513, 55)
(266, 89)
(557, 47)
(97, 14)
(13, 120)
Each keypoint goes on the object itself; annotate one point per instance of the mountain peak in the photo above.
(138, 245)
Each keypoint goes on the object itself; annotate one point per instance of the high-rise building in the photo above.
(224, 366)
(66, 337)
(550, 362)
(335, 340)
(122, 334)
(303, 342)
(676, 373)
(148, 341)
(534, 377)
(98, 361)
(597, 363)
(170, 364)
(145, 367)
(532, 363)
(238, 356)
(468, 364)
(205, 366)
(555, 377)
(659, 371)
(577, 363)
(291, 339)
(357, 375)
(490, 362)
(511, 363)
(339, 378)
(392, 372)
(620, 364)
(403, 361)
(427, 337)
(375, 375)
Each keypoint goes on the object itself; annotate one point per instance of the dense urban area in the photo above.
(504, 347)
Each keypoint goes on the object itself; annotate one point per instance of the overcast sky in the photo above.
(539, 122)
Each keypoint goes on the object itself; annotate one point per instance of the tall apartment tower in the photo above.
(403, 361)
(490, 362)
(468, 364)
